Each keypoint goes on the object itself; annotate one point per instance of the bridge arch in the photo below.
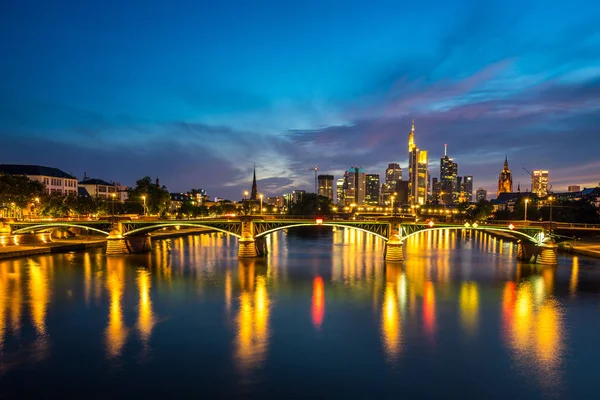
(44, 227)
(171, 225)
(279, 228)
(516, 233)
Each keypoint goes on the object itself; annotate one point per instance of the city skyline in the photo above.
(195, 94)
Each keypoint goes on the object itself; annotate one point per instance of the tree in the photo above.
(55, 206)
(20, 190)
(158, 199)
(311, 204)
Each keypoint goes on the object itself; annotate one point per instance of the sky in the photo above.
(196, 92)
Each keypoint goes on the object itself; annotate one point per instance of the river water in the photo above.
(321, 316)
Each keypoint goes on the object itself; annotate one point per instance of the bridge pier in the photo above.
(117, 244)
(393, 247)
(543, 254)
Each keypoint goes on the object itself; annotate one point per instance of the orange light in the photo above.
(511, 227)
(318, 302)
(319, 221)
(430, 224)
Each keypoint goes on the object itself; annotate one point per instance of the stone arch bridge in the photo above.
(534, 244)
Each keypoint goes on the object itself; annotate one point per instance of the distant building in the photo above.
(372, 189)
(99, 189)
(505, 183)
(574, 188)
(449, 187)
(340, 190)
(481, 194)
(467, 188)
(277, 201)
(402, 193)
(539, 182)
(355, 186)
(435, 190)
(297, 195)
(325, 186)
(55, 180)
(393, 175)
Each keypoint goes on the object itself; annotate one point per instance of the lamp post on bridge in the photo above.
(550, 199)
(394, 204)
(526, 201)
(144, 202)
(113, 203)
(261, 200)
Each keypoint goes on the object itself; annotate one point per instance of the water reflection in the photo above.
(469, 306)
(390, 314)
(252, 320)
(534, 326)
(116, 332)
(574, 276)
(318, 302)
(39, 292)
(145, 315)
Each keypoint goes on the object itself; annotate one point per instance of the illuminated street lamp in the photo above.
(113, 195)
(550, 199)
(144, 200)
(261, 199)
(526, 201)
(394, 204)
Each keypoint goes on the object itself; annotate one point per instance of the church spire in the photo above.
(254, 192)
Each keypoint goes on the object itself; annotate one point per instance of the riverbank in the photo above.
(58, 246)
(80, 244)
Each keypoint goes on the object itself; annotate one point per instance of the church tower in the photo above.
(505, 180)
(254, 192)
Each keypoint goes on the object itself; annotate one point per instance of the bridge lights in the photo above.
(467, 225)
(475, 225)
(511, 227)
(319, 221)
(430, 224)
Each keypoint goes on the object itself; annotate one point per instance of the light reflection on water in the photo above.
(462, 287)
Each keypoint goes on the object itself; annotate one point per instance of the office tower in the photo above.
(574, 188)
(393, 174)
(539, 182)
(372, 189)
(505, 179)
(435, 190)
(418, 165)
(340, 189)
(481, 194)
(325, 185)
(297, 195)
(448, 179)
(402, 193)
(467, 188)
(355, 182)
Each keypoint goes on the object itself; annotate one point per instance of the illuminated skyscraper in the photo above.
(505, 184)
(393, 175)
(466, 191)
(340, 189)
(539, 182)
(372, 189)
(325, 186)
(449, 190)
(355, 186)
(418, 165)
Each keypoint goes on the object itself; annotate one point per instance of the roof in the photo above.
(35, 170)
(505, 197)
(95, 182)
(82, 192)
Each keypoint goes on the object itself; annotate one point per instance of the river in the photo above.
(320, 316)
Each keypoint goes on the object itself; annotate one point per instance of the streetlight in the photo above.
(261, 198)
(113, 203)
(244, 204)
(394, 204)
(144, 200)
(550, 200)
(526, 201)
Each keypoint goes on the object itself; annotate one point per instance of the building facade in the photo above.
(466, 191)
(355, 186)
(449, 191)
(340, 190)
(55, 180)
(505, 184)
(539, 182)
(574, 188)
(325, 186)
(393, 175)
(372, 189)
(480, 194)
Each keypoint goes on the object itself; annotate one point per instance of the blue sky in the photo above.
(196, 92)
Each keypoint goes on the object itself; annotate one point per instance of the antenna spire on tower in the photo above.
(445, 150)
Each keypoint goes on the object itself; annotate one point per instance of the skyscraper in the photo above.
(340, 189)
(539, 182)
(505, 179)
(254, 192)
(467, 189)
(325, 186)
(418, 165)
(393, 175)
(372, 189)
(354, 180)
(448, 179)
(481, 194)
